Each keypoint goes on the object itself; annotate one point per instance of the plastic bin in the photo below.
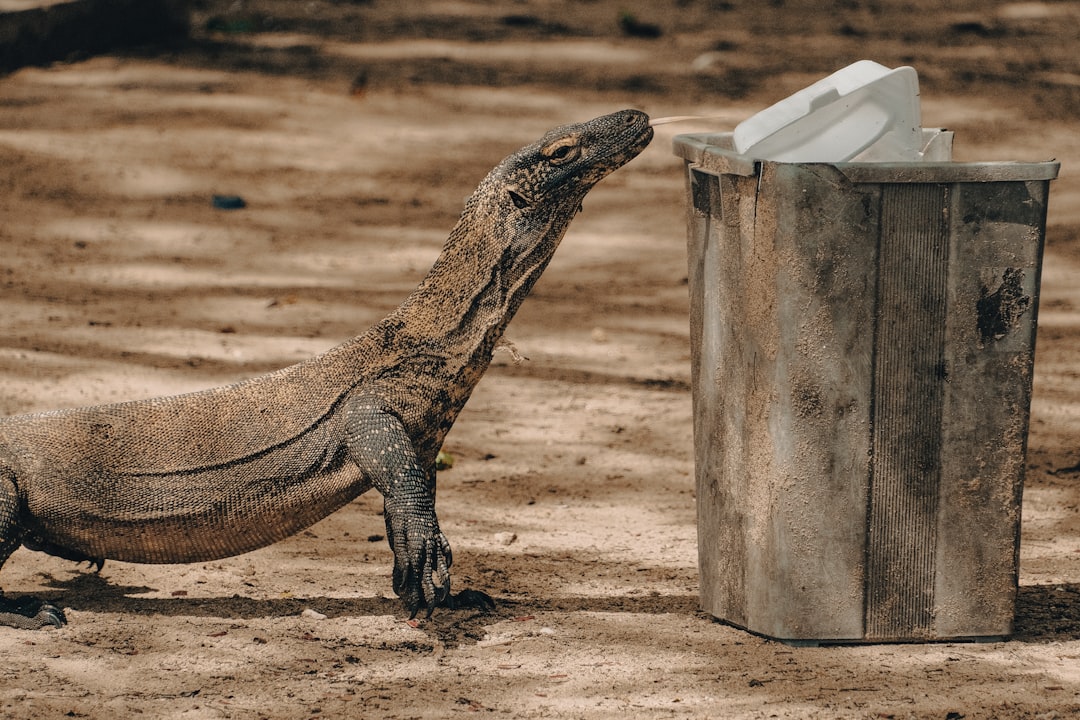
(862, 344)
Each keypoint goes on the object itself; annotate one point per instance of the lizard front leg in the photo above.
(22, 614)
(378, 444)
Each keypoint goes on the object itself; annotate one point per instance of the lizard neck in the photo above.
(462, 307)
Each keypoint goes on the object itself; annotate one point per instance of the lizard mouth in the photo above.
(643, 140)
(632, 135)
(641, 134)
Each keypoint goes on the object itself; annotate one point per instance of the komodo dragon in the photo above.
(219, 472)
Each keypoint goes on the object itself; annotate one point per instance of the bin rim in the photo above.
(712, 153)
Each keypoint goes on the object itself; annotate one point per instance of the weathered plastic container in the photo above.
(864, 111)
(863, 340)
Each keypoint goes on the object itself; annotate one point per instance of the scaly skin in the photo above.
(223, 471)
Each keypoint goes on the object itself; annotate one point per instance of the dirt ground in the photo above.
(354, 131)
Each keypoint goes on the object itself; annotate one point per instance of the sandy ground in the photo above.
(354, 131)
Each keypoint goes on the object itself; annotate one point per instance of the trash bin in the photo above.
(862, 344)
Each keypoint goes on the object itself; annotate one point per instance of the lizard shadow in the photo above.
(91, 592)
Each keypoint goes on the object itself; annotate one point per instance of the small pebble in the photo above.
(229, 202)
(312, 614)
(506, 538)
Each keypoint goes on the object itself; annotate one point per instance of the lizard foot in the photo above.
(429, 587)
(30, 614)
(422, 555)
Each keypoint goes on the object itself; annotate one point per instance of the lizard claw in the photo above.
(30, 614)
(416, 584)
(422, 560)
(51, 615)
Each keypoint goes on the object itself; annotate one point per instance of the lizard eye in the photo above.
(563, 151)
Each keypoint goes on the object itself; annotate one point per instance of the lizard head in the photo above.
(526, 203)
(516, 218)
(552, 175)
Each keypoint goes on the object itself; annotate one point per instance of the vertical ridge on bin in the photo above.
(907, 410)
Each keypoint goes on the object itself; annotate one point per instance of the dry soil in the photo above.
(353, 131)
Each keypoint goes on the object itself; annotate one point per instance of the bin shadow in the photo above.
(1047, 613)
